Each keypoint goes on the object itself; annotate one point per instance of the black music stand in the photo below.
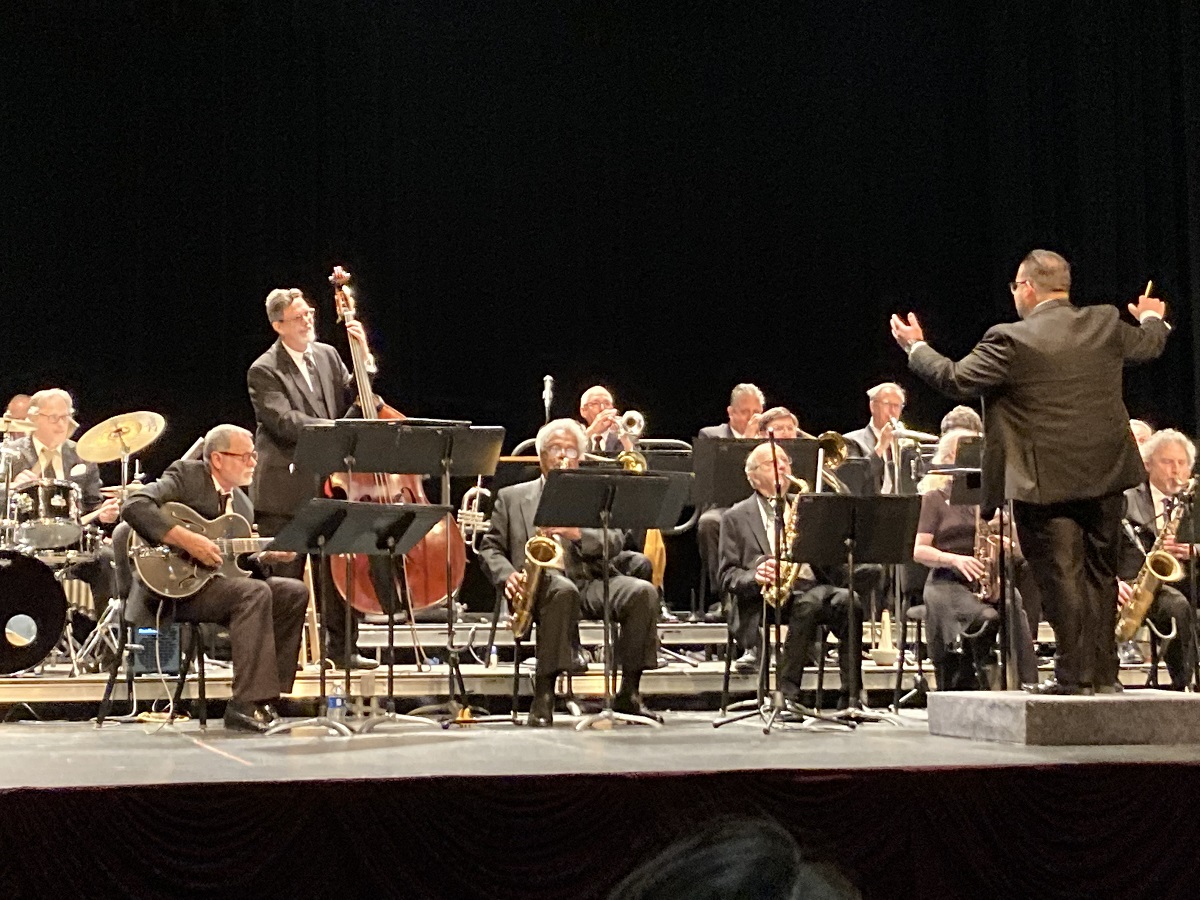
(464, 450)
(835, 528)
(604, 500)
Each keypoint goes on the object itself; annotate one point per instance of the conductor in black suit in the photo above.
(1058, 446)
(299, 381)
(265, 617)
(579, 587)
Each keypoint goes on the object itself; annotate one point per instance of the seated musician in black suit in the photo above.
(1169, 457)
(748, 565)
(579, 588)
(47, 453)
(745, 408)
(265, 617)
(957, 617)
(600, 420)
(876, 443)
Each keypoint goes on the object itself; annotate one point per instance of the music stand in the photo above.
(604, 500)
(835, 528)
(464, 450)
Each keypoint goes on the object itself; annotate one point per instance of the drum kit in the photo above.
(44, 533)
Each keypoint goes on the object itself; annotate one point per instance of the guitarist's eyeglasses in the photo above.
(246, 458)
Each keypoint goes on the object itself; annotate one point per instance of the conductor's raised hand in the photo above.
(906, 331)
(1147, 304)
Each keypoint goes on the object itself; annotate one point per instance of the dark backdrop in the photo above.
(667, 198)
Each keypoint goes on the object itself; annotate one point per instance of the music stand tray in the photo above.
(590, 499)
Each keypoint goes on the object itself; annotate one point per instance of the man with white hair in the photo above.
(875, 443)
(600, 419)
(1169, 457)
(48, 453)
(748, 566)
(579, 587)
(265, 616)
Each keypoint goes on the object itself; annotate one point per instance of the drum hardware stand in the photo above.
(769, 704)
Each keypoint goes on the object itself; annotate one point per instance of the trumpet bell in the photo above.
(632, 423)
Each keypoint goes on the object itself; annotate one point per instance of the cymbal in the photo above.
(15, 426)
(127, 433)
(114, 490)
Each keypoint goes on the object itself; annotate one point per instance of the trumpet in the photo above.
(631, 423)
(471, 520)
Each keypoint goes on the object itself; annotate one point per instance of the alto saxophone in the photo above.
(778, 590)
(1159, 568)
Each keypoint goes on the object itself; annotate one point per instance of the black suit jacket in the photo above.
(502, 549)
(187, 481)
(283, 404)
(1056, 424)
(87, 477)
(718, 431)
(1140, 513)
(861, 444)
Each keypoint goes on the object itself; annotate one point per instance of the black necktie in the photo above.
(223, 503)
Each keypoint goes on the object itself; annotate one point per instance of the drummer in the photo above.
(47, 453)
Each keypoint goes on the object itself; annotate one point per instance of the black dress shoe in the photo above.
(269, 713)
(747, 663)
(245, 717)
(541, 711)
(631, 705)
(579, 665)
(357, 661)
(1115, 688)
(1053, 688)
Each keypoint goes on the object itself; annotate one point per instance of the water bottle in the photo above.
(335, 704)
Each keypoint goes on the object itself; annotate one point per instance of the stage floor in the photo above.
(66, 755)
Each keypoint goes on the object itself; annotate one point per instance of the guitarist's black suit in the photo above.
(265, 617)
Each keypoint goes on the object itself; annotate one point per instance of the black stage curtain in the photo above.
(1060, 831)
(665, 197)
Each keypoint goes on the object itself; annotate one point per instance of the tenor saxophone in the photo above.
(778, 590)
(1159, 568)
(542, 552)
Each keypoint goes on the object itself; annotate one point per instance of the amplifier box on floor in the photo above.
(156, 650)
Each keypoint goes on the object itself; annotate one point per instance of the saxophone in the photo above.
(542, 552)
(985, 551)
(1159, 568)
(777, 591)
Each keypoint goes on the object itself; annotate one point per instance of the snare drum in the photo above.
(47, 514)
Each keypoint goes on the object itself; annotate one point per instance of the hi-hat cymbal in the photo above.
(15, 426)
(124, 434)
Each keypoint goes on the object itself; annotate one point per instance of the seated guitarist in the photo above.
(265, 616)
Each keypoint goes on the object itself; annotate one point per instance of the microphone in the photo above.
(547, 393)
(1131, 533)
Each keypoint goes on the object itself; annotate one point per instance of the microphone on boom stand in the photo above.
(547, 393)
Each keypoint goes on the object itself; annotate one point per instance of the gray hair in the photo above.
(220, 438)
(566, 426)
(1047, 270)
(962, 417)
(743, 390)
(279, 300)
(1159, 439)
(750, 467)
(38, 400)
(888, 385)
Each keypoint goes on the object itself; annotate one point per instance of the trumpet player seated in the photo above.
(962, 591)
(748, 569)
(607, 430)
(574, 588)
(1154, 521)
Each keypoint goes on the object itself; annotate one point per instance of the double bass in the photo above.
(426, 578)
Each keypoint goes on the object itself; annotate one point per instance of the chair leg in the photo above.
(184, 667)
(202, 705)
(899, 686)
(823, 651)
(728, 665)
(113, 671)
(516, 680)
(1152, 677)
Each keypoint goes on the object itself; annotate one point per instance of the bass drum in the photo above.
(33, 611)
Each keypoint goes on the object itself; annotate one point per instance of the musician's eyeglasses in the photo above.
(54, 420)
(307, 314)
(1013, 285)
(568, 452)
(246, 458)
